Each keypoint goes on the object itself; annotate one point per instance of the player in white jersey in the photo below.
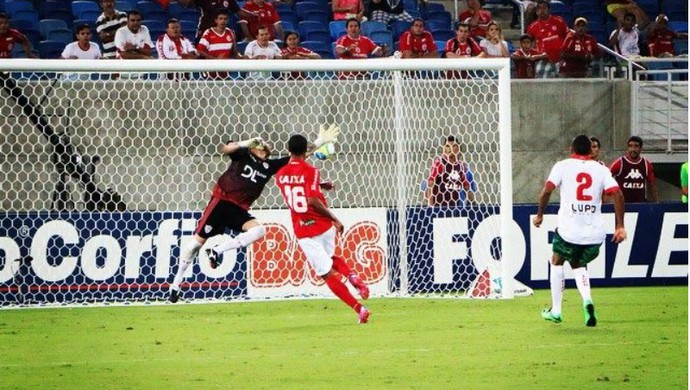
(580, 229)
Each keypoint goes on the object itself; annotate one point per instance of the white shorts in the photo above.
(319, 251)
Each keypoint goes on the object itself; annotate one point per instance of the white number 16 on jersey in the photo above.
(296, 199)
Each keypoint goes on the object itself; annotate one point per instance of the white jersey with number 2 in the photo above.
(582, 183)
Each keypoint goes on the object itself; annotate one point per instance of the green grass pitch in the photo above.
(641, 342)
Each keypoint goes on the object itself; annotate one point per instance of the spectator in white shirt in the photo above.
(262, 49)
(625, 39)
(133, 41)
(82, 48)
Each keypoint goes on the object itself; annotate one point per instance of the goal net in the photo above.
(108, 165)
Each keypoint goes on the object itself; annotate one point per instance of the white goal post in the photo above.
(109, 164)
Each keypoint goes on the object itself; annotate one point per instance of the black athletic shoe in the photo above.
(212, 258)
(590, 318)
(174, 295)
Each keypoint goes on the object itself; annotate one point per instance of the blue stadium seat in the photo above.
(435, 25)
(678, 16)
(441, 16)
(65, 36)
(13, 6)
(337, 28)
(316, 46)
(322, 36)
(318, 16)
(558, 7)
(428, 7)
(47, 25)
(398, 27)
(78, 7)
(24, 25)
(50, 49)
(174, 9)
(382, 38)
(189, 14)
(63, 15)
(29, 15)
(47, 8)
(283, 7)
(650, 7)
(90, 15)
(593, 5)
(441, 46)
(306, 26)
(326, 55)
(241, 46)
(671, 6)
(680, 46)
(149, 6)
(289, 17)
(34, 36)
(288, 26)
(443, 35)
(369, 27)
(678, 26)
(188, 27)
(592, 16)
(125, 5)
(91, 23)
(303, 7)
(156, 33)
(153, 24)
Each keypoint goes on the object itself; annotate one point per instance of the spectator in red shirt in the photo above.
(264, 14)
(9, 37)
(525, 59)
(355, 46)
(209, 9)
(218, 42)
(417, 42)
(549, 31)
(293, 51)
(462, 46)
(578, 51)
(477, 18)
(660, 38)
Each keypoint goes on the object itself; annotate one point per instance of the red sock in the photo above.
(341, 266)
(341, 291)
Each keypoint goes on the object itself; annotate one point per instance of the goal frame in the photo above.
(397, 66)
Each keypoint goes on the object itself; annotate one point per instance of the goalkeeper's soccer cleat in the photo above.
(359, 285)
(590, 318)
(363, 315)
(174, 295)
(555, 318)
(212, 258)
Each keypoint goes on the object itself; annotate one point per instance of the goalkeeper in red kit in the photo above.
(235, 191)
(315, 226)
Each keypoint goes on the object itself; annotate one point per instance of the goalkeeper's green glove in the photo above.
(253, 143)
(327, 134)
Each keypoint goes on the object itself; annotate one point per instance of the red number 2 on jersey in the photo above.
(585, 181)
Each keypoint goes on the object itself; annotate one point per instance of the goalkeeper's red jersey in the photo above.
(299, 181)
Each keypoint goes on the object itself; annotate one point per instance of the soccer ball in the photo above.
(325, 151)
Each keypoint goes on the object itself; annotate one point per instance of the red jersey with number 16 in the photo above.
(299, 181)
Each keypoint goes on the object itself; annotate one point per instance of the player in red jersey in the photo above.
(635, 174)
(315, 226)
(417, 42)
(9, 37)
(578, 51)
(237, 188)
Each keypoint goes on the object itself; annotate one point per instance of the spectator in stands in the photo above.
(477, 18)
(417, 42)
(218, 42)
(133, 41)
(530, 13)
(107, 25)
(262, 48)
(625, 39)
(549, 31)
(10, 36)
(635, 174)
(355, 46)
(82, 48)
(494, 45)
(209, 9)
(620, 8)
(266, 16)
(462, 46)
(387, 10)
(660, 38)
(293, 51)
(596, 150)
(450, 181)
(174, 46)
(578, 51)
(525, 58)
(346, 9)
